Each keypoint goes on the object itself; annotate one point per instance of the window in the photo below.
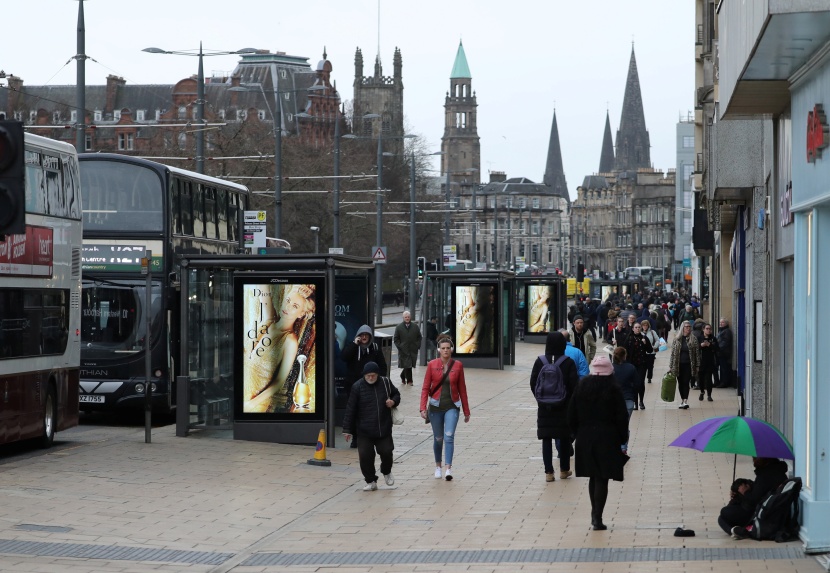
(73, 116)
(175, 208)
(222, 214)
(688, 141)
(187, 207)
(126, 141)
(139, 115)
(210, 212)
(222, 114)
(97, 115)
(283, 74)
(56, 117)
(286, 96)
(687, 225)
(182, 140)
(523, 203)
(87, 142)
(198, 210)
(116, 115)
(687, 199)
(551, 203)
(35, 321)
(261, 114)
(233, 221)
(535, 202)
(241, 115)
(33, 116)
(510, 202)
(182, 112)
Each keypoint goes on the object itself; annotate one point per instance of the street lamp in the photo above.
(200, 91)
(316, 231)
(276, 116)
(379, 235)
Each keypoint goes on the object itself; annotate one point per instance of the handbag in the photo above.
(397, 416)
(668, 387)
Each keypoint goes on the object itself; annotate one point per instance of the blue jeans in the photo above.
(443, 430)
(629, 405)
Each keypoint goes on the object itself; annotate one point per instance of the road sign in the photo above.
(254, 230)
(379, 255)
(449, 255)
(335, 250)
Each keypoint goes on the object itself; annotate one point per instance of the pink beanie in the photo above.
(601, 366)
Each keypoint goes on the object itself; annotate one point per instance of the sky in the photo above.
(526, 58)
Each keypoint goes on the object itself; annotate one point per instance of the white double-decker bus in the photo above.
(40, 299)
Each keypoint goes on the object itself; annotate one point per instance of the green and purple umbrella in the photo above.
(736, 435)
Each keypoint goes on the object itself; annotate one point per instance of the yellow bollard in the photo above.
(319, 458)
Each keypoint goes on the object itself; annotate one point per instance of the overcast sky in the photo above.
(525, 57)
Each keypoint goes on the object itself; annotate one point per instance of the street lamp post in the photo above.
(316, 231)
(200, 92)
(413, 293)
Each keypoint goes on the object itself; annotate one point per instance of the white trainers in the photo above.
(371, 486)
(437, 473)
(389, 479)
(448, 474)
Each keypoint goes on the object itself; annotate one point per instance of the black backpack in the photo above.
(776, 517)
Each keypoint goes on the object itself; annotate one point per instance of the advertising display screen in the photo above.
(475, 319)
(279, 346)
(539, 300)
(351, 311)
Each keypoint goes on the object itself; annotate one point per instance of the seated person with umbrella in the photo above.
(744, 497)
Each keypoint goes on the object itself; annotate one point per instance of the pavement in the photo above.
(103, 500)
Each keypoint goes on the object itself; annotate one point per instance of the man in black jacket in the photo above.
(357, 354)
(724, 374)
(369, 415)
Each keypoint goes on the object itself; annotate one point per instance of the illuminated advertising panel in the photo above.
(539, 300)
(279, 348)
(475, 319)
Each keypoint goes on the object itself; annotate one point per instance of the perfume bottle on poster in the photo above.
(302, 391)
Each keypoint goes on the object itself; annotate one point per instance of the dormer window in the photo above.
(116, 115)
(56, 117)
(260, 114)
(73, 116)
(139, 115)
(97, 115)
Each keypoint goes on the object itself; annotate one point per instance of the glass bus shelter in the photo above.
(542, 307)
(260, 342)
(477, 309)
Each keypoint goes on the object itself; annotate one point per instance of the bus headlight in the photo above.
(139, 388)
(152, 387)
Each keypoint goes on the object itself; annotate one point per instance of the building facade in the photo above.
(378, 95)
(681, 270)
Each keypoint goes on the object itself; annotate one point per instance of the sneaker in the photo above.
(550, 477)
(371, 486)
(448, 474)
(701, 397)
(642, 406)
(649, 380)
(389, 479)
(437, 473)
(710, 399)
(739, 532)
(565, 474)
(685, 406)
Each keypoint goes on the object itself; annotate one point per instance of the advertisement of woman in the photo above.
(475, 319)
(279, 355)
(539, 298)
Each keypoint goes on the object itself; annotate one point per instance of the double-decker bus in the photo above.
(133, 205)
(40, 294)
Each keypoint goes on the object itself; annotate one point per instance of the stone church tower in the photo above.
(378, 94)
(460, 143)
(633, 147)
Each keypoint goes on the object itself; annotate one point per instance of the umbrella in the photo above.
(736, 435)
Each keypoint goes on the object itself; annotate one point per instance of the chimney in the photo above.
(113, 83)
(498, 177)
(15, 99)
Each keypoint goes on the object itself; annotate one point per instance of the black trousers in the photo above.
(406, 375)
(366, 448)
(684, 380)
(598, 492)
(705, 379)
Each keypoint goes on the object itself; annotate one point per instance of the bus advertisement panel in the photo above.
(278, 348)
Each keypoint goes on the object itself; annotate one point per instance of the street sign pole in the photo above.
(148, 301)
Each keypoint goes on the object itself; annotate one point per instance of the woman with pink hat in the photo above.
(599, 420)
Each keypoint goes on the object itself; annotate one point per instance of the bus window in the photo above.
(222, 213)
(175, 208)
(210, 212)
(198, 210)
(187, 207)
(233, 218)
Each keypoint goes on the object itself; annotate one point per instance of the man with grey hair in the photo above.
(407, 340)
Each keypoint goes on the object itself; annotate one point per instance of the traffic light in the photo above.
(12, 191)
(422, 267)
(580, 273)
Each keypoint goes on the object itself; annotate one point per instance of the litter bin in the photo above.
(384, 341)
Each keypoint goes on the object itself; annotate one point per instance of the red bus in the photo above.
(40, 300)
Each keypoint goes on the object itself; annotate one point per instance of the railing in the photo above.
(699, 39)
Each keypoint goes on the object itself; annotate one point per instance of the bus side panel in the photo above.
(67, 395)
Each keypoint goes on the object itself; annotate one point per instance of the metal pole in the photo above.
(80, 86)
(277, 159)
(317, 242)
(475, 223)
(447, 212)
(200, 115)
(413, 293)
(148, 398)
(379, 271)
(336, 210)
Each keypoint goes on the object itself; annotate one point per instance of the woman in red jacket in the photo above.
(443, 394)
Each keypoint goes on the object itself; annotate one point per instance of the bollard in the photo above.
(319, 458)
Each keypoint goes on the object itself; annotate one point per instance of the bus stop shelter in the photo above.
(477, 309)
(260, 341)
(542, 307)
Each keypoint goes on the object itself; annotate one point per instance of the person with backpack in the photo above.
(552, 381)
(735, 516)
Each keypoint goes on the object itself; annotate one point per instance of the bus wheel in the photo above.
(50, 419)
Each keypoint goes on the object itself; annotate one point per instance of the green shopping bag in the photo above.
(669, 386)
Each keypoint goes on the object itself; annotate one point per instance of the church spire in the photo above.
(554, 172)
(460, 69)
(633, 147)
(606, 158)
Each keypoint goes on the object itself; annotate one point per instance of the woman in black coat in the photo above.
(552, 421)
(599, 419)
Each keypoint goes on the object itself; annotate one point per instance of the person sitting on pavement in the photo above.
(369, 415)
(737, 514)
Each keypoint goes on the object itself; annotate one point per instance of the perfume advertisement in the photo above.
(540, 299)
(475, 319)
(278, 350)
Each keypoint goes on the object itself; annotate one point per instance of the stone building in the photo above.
(157, 119)
(380, 95)
(460, 147)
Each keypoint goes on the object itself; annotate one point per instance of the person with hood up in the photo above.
(552, 420)
(357, 354)
(734, 517)
(369, 415)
